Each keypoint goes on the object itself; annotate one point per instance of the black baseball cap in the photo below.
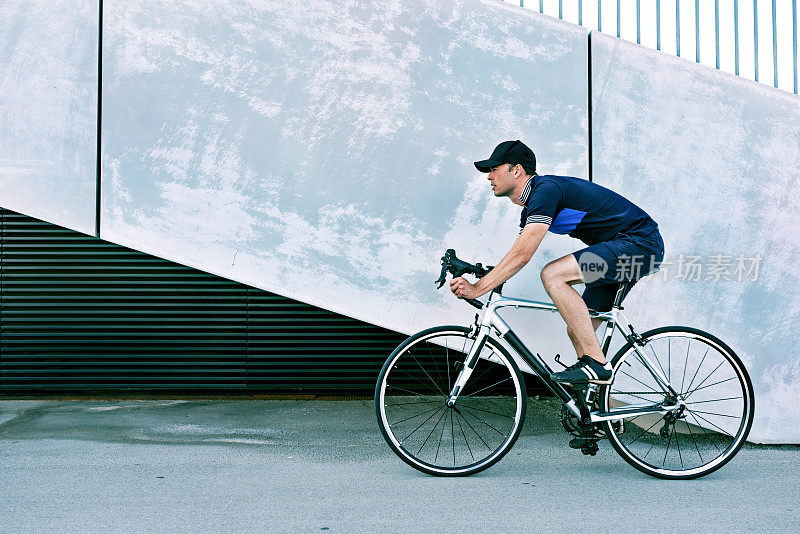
(509, 152)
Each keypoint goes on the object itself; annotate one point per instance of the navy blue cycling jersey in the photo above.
(582, 209)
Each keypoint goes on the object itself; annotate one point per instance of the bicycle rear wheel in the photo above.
(711, 382)
(411, 395)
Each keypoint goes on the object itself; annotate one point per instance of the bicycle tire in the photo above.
(699, 428)
(472, 409)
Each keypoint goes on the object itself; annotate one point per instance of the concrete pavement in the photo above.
(322, 466)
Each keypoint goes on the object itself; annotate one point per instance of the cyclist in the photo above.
(624, 245)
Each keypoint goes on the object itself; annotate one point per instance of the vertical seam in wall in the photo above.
(247, 337)
(589, 65)
(99, 117)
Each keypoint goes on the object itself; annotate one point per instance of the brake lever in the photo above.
(442, 277)
(445, 264)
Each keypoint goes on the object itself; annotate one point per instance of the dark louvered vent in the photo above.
(78, 314)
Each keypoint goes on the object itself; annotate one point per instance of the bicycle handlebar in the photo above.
(451, 264)
(457, 267)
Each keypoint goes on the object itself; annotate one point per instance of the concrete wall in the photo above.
(48, 110)
(323, 150)
(715, 159)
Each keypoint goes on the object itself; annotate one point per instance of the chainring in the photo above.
(570, 421)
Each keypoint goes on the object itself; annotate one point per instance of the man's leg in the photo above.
(558, 278)
(580, 349)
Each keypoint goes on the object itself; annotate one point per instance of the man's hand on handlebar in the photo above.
(458, 285)
(463, 289)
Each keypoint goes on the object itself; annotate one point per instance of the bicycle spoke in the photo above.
(431, 433)
(407, 391)
(481, 420)
(663, 464)
(435, 361)
(477, 380)
(453, 436)
(447, 363)
(465, 438)
(717, 414)
(420, 425)
(489, 411)
(698, 368)
(409, 375)
(657, 360)
(487, 387)
(429, 376)
(708, 386)
(417, 415)
(685, 364)
(648, 450)
(618, 393)
(643, 432)
(689, 428)
(412, 403)
(709, 376)
(642, 383)
(677, 443)
(476, 432)
(435, 458)
(695, 415)
(705, 433)
(622, 392)
(714, 400)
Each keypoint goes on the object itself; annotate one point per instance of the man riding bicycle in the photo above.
(624, 245)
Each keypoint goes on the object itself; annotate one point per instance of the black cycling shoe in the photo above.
(585, 371)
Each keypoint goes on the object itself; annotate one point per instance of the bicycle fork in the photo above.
(469, 365)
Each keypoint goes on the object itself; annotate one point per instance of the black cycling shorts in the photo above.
(605, 266)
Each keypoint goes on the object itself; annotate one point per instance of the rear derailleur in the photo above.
(669, 419)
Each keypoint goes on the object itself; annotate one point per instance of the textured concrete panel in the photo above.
(323, 150)
(48, 110)
(714, 159)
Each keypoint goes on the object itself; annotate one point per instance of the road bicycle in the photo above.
(451, 400)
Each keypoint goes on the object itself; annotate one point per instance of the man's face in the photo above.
(502, 180)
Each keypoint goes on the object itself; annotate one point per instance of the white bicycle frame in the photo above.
(489, 323)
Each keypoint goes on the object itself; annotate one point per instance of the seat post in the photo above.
(623, 290)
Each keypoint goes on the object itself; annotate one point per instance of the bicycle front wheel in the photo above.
(712, 385)
(411, 403)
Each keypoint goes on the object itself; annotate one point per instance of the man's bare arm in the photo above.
(520, 254)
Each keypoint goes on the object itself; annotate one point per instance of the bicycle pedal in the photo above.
(580, 443)
(587, 446)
